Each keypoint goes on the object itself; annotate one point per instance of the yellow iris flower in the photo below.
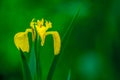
(21, 39)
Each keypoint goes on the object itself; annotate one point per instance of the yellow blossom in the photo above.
(21, 38)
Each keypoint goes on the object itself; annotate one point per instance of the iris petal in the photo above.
(21, 40)
(41, 31)
(57, 41)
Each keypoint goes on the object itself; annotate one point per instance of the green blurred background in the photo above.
(91, 50)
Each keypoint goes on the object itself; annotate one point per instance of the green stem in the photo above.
(38, 67)
(26, 71)
(32, 64)
(37, 54)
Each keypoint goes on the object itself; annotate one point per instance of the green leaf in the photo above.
(69, 75)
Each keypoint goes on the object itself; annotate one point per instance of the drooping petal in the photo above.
(33, 33)
(28, 30)
(21, 40)
(57, 41)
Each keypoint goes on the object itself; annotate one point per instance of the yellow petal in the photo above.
(48, 25)
(40, 22)
(57, 41)
(33, 33)
(28, 30)
(32, 23)
(21, 40)
(41, 31)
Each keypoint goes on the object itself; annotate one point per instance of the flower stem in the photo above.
(26, 71)
(37, 54)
